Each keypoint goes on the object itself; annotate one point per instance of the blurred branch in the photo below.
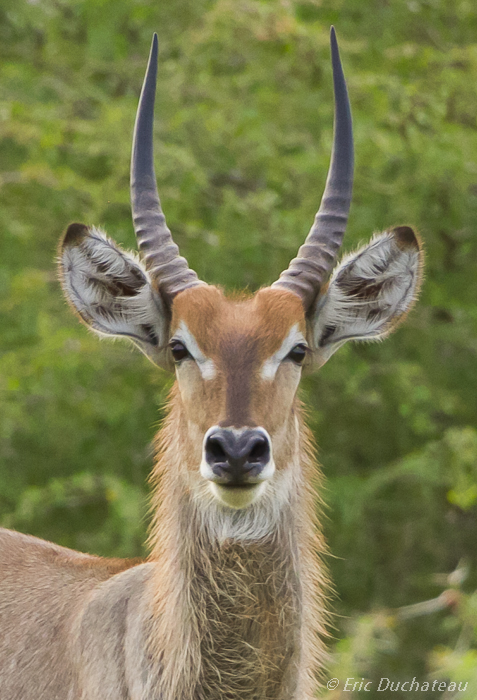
(448, 599)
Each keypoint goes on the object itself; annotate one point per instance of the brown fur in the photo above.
(238, 335)
(236, 619)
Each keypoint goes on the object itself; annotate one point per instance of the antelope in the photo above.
(231, 604)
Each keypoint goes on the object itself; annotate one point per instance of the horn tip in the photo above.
(333, 41)
(154, 47)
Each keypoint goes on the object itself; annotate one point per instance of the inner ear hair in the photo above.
(94, 270)
(109, 289)
(122, 272)
(390, 256)
(371, 291)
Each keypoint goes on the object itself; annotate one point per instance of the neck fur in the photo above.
(238, 595)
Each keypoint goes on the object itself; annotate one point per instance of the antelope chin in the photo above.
(237, 497)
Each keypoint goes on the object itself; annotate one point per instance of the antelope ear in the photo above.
(111, 292)
(369, 293)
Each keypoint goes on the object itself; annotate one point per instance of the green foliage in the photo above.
(243, 134)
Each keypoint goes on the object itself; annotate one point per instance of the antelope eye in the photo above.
(298, 354)
(178, 350)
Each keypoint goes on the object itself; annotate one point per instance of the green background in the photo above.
(243, 135)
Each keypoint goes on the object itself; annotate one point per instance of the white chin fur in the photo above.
(237, 498)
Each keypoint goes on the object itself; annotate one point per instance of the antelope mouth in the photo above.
(237, 496)
(245, 487)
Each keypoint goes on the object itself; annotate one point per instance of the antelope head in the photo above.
(238, 361)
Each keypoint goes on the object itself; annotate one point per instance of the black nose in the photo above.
(237, 458)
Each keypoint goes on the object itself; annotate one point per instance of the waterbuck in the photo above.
(231, 603)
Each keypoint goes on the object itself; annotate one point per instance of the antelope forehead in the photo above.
(271, 364)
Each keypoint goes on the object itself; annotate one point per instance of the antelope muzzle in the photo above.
(237, 463)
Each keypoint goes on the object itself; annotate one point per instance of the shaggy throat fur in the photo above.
(236, 619)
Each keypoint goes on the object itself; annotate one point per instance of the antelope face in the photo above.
(238, 366)
(238, 362)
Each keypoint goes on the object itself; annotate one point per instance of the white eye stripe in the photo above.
(204, 363)
(271, 365)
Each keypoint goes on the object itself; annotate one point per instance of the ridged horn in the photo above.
(309, 270)
(167, 268)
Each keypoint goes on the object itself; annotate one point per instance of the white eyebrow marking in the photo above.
(270, 366)
(205, 364)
